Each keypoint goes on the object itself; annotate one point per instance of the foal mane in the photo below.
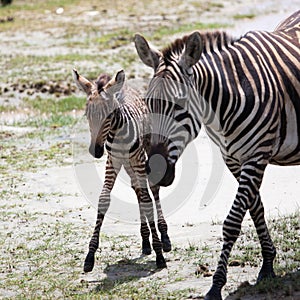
(101, 81)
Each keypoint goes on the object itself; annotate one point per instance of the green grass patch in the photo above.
(163, 31)
(55, 105)
(244, 16)
(114, 39)
(22, 159)
(51, 121)
(285, 235)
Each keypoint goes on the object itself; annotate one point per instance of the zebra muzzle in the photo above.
(160, 171)
(96, 150)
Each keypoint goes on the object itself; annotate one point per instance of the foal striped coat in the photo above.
(118, 118)
(246, 92)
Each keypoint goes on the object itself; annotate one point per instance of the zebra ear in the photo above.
(82, 83)
(149, 56)
(192, 52)
(115, 84)
(120, 78)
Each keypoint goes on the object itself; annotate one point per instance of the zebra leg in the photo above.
(144, 230)
(268, 249)
(162, 224)
(145, 233)
(249, 183)
(146, 208)
(103, 204)
(138, 179)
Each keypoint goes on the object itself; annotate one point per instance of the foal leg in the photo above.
(138, 177)
(268, 249)
(162, 224)
(144, 229)
(103, 204)
(146, 208)
(145, 233)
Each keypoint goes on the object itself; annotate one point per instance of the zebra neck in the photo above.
(217, 83)
(214, 94)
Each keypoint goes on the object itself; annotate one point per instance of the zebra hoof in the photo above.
(146, 248)
(166, 243)
(265, 275)
(160, 262)
(89, 262)
(213, 294)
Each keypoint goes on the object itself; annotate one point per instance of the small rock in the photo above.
(236, 263)
(195, 296)
(60, 11)
(201, 269)
(208, 274)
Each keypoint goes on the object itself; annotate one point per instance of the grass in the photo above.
(43, 248)
(164, 31)
(285, 235)
(244, 16)
(30, 260)
(59, 248)
(18, 158)
(55, 105)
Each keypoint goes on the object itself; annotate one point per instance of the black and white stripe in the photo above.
(119, 120)
(246, 93)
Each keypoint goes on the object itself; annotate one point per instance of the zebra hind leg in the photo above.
(157, 246)
(146, 208)
(162, 224)
(139, 183)
(248, 191)
(268, 249)
(145, 233)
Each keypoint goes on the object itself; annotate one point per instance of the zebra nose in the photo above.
(96, 150)
(160, 171)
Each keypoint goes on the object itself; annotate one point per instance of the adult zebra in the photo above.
(118, 118)
(246, 92)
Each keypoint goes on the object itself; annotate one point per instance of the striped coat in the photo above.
(119, 120)
(246, 93)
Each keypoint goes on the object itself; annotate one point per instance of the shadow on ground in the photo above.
(126, 270)
(283, 287)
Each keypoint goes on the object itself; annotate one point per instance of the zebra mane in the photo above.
(101, 81)
(212, 41)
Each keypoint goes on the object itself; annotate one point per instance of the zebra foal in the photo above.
(118, 119)
(246, 93)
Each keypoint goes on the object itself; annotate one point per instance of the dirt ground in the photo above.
(50, 185)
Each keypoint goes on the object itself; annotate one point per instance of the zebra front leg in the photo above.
(103, 204)
(162, 224)
(268, 249)
(249, 184)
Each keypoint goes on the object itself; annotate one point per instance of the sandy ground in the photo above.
(200, 196)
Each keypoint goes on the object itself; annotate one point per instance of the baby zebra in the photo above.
(118, 117)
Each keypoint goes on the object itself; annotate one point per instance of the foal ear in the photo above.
(82, 83)
(192, 52)
(149, 56)
(116, 83)
(120, 78)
